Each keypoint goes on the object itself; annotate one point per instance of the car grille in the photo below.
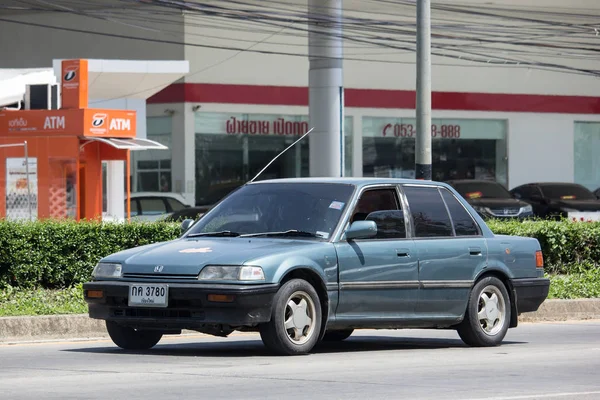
(159, 276)
(505, 212)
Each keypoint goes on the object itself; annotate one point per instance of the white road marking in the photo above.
(539, 396)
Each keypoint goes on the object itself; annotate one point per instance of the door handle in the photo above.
(474, 251)
(403, 253)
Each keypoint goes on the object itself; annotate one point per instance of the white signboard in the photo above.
(406, 128)
(584, 216)
(17, 205)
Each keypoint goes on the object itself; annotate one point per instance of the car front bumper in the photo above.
(531, 293)
(188, 305)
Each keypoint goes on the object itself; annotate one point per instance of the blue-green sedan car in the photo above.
(304, 260)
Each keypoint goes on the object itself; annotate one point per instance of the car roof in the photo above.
(458, 181)
(354, 181)
(550, 183)
(156, 194)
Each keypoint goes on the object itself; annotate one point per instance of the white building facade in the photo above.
(242, 102)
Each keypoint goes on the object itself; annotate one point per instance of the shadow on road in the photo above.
(255, 348)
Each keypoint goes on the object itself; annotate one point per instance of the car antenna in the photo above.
(277, 156)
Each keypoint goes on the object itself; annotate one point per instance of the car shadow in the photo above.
(255, 348)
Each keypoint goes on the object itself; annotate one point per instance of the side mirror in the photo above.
(186, 224)
(361, 230)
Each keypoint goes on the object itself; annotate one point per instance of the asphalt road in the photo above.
(537, 361)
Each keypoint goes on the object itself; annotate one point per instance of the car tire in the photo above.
(487, 317)
(131, 339)
(294, 328)
(337, 335)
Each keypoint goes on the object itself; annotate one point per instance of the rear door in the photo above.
(450, 249)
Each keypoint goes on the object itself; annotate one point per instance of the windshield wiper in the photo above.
(222, 233)
(291, 232)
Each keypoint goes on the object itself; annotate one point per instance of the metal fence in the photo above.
(21, 201)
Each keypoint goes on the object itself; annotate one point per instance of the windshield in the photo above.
(479, 190)
(278, 207)
(567, 192)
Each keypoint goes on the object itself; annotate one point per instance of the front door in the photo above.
(378, 276)
(450, 247)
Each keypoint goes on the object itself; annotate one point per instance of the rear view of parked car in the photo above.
(557, 200)
(491, 200)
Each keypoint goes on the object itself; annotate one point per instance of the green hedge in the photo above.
(53, 254)
(567, 246)
(58, 254)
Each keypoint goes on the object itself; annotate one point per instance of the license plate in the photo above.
(148, 295)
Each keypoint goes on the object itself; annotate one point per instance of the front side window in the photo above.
(383, 207)
(429, 212)
(267, 208)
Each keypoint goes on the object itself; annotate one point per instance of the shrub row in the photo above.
(567, 246)
(59, 254)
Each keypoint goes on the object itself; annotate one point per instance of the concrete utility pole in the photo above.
(423, 142)
(325, 81)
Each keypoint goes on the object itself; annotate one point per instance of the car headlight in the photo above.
(231, 273)
(107, 270)
(526, 209)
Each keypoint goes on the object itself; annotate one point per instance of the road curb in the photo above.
(564, 310)
(18, 329)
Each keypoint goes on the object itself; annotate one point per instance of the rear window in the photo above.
(464, 224)
(478, 190)
(567, 192)
(429, 212)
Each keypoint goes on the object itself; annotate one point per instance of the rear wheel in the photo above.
(131, 339)
(295, 321)
(337, 335)
(487, 318)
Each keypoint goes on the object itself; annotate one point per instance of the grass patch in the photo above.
(584, 284)
(17, 302)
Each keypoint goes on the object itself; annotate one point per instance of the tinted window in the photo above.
(267, 207)
(429, 212)
(134, 207)
(477, 190)
(152, 206)
(390, 224)
(374, 200)
(174, 204)
(382, 207)
(464, 225)
(567, 192)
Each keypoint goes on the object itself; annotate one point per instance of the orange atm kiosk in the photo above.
(65, 150)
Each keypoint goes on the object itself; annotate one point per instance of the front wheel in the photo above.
(488, 314)
(295, 321)
(131, 339)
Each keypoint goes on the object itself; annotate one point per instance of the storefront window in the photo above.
(232, 148)
(461, 148)
(153, 167)
(587, 148)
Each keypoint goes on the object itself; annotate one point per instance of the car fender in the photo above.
(492, 266)
(299, 262)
